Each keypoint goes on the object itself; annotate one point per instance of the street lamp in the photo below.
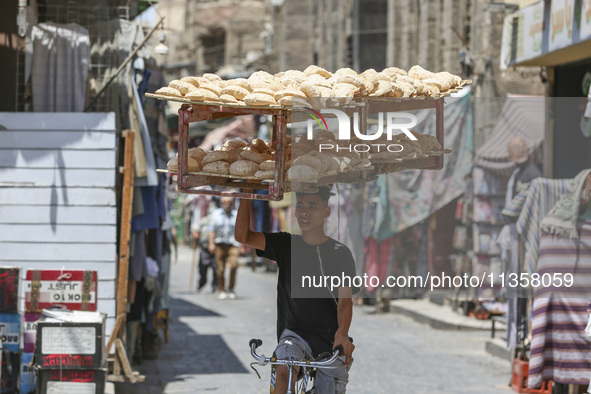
(162, 48)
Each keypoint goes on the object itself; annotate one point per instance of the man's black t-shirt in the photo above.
(310, 308)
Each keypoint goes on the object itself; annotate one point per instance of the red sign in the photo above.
(67, 360)
(74, 290)
(73, 376)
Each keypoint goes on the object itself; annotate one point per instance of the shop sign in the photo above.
(10, 331)
(69, 345)
(526, 36)
(522, 35)
(533, 28)
(30, 331)
(561, 24)
(585, 16)
(72, 381)
(75, 290)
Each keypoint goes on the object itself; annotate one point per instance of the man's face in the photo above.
(227, 204)
(311, 212)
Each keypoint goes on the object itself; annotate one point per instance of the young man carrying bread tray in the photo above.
(311, 319)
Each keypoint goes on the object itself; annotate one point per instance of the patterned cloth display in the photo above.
(559, 349)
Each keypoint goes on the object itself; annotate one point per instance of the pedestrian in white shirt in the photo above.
(223, 244)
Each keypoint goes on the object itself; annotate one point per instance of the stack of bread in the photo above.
(235, 157)
(306, 160)
(286, 88)
(424, 145)
(257, 160)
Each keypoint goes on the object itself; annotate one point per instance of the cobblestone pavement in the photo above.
(208, 348)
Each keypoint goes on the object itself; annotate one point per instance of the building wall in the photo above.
(192, 28)
(57, 196)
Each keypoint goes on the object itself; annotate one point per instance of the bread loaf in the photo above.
(265, 174)
(267, 165)
(212, 77)
(166, 91)
(289, 92)
(200, 94)
(428, 142)
(173, 164)
(193, 165)
(311, 70)
(420, 73)
(243, 168)
(192, 80)
(310, 161)
(185, 87)
(226, 98)
(210, 157)
(259, 99)
(302, 172)
(309, 89)
(235, 90)
(174, 84)
(259, 144)
(212, 87)
(196, 153)
(345, 70)
(242, 82)
(217, 167)
(235, 143)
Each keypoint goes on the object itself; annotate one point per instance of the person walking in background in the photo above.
(206, 258)
(525, 170)
(223, 244)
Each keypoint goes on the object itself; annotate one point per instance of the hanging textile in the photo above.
(58, 63)
(529, 207)
(115, 40)
(559, 349)
(147, 177)
(377, 259)
(508, 240)
(415, 195)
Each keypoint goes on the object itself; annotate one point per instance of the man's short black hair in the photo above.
(323, 191)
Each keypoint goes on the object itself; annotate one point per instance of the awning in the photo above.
(559, 57)
(521, 116)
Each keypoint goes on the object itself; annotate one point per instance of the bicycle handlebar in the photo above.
(262, 360)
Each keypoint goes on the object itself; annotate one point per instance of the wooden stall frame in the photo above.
(119, 359)
(194, 113)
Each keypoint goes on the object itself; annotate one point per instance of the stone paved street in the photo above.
(208, 348)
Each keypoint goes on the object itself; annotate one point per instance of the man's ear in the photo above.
(327, 211)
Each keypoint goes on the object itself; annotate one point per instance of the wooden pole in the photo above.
(118, 324)
(126, 200)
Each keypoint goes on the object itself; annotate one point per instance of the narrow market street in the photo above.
(208, 346)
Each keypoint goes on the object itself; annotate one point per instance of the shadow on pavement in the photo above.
(186, 355)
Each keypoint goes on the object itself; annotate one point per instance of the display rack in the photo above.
(195, 111)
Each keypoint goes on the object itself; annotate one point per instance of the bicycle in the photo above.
(308, 367)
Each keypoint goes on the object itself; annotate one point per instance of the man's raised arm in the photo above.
(242, 231)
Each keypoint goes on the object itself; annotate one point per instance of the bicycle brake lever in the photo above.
(254, 369)
(261, 360)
